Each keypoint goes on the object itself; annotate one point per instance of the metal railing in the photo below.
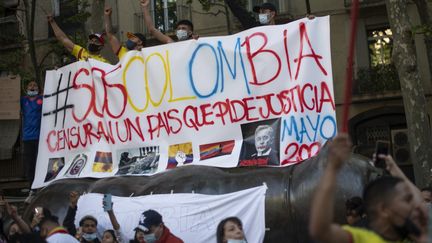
(10, 30)
(375, 80)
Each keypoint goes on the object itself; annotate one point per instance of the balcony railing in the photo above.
(10, 31)
(9, 3)
(376, 80)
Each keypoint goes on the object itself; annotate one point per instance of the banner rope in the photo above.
(349, 68)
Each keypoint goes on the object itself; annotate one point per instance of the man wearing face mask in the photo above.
(154, 229)
(390, 203)
(95, 43)
(266, 13)
(135, 41)
(184, 28)
(88, 224)
(31, 111)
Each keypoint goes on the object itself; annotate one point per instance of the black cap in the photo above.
(149, 218)
(269, 6)
(137, 35)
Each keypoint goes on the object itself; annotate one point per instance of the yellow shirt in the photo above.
(361, 235)
(82, 54)
(121, 52)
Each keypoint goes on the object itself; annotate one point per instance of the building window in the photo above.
(66, 12)
(380, 44)
(165, 14)
(381, 75)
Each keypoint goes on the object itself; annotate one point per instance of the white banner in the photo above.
(191, 217)
(262, 97)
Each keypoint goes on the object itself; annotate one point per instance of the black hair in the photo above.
(51, 219)
(381, 190)
(141, 37)
(426, 189)
(185, 22)
(27, 238)
(112, 233)
(220, 231)
(87, 217)
(354, 205)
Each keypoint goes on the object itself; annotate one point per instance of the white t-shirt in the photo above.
(61, 238)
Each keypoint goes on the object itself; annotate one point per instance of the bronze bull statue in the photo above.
(288, 198)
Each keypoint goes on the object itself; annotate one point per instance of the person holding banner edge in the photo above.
(184, 28)
(136, 41)
(94, 46)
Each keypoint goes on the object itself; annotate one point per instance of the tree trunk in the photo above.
(30, 10)
(423, 10)
(405, 60)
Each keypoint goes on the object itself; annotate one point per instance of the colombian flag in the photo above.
(103, 162)
(211, 150)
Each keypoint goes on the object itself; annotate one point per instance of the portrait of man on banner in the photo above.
(260, 143)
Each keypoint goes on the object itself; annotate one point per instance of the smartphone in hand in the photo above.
(107, 202)
(382, 148)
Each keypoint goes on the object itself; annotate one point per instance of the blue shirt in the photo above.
(32, 113)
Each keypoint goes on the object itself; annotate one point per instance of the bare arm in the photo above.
(12, 211)
(150, 25)
(69, 220)
(60, 35)
(321, 224)
(115, 43)
(395, 171)
(113, 219)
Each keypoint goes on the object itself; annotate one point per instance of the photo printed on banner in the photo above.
(54, 167)
(103, 162)
(213, 150)
(77, 165)
(137, 161)
(179, 154)
(260, 143)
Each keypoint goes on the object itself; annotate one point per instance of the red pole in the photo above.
(349, 68)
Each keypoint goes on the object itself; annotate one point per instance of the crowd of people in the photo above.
(392, 208)
(45, 227)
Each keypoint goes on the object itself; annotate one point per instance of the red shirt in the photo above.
(168, 237)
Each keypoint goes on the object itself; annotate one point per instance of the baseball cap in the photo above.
(137, 35)
(99, 36)
(269, 6)
(149, 218)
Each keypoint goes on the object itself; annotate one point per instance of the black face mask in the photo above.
(408, 228)
(93, 48)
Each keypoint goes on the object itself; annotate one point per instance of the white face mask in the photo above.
(237, 241)
(32, 92)
(264, 18)
(182, 35)
(150, 238)
(89, 237)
